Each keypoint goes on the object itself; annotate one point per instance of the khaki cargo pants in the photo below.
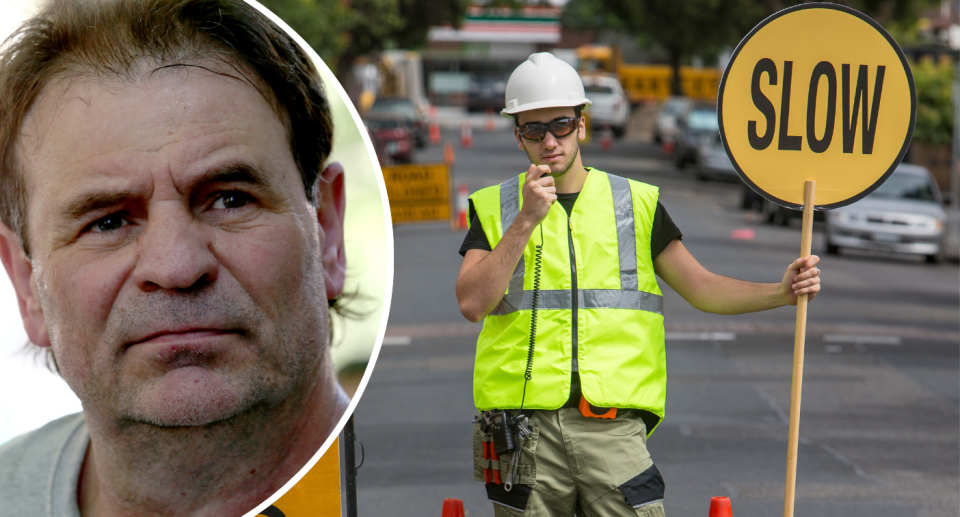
(572, 464)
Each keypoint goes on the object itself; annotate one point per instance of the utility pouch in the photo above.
(492, 468)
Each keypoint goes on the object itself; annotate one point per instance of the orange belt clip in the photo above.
(589, 410)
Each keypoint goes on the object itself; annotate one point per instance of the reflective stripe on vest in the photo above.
(627, 297)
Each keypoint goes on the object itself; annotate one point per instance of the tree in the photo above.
(343, 30)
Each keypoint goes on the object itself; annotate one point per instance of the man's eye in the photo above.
(228, 200)
(109, 223)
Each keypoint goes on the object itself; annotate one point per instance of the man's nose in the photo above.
(550, 141)
(175, 252)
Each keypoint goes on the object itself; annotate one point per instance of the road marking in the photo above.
(862, 339)
(701, 336)
(396, 340)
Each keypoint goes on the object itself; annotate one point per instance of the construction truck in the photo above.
(647, 82)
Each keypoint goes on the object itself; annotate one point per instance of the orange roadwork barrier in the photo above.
(606, 138)
(452, 508)
(488, 124)
(449, 157)
(720, 507)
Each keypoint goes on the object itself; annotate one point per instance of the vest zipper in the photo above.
(575, 302)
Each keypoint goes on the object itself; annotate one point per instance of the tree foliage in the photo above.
(342, 30)
(934, 103)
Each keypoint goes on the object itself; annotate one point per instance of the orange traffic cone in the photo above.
(466, 135)
(434, 126)
(720, 507)
(462, 206)
(449, 157)
(606, 138)
(452, 508)
(488, 124)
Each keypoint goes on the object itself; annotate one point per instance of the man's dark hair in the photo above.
(111, 39)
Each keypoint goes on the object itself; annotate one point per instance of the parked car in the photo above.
(697, 128)
(667, 118)
(611, 107)
(713, 161)
(486, 92)
(392, 139)
(404, 111)
(904, 215)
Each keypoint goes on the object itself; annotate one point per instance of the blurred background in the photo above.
(30, 395)
(880, 427)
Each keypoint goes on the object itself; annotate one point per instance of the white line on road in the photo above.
(701, 336)
(862, 340)
(396, 340)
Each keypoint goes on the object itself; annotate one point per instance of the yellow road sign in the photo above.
(317, 494)
(418, 192)
(817, 92)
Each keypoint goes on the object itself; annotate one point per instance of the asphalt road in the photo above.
(880, 420)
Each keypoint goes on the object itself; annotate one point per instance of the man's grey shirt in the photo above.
(39, 470)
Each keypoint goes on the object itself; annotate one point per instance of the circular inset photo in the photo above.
(198, 255)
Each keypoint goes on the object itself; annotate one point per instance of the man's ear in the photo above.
(20, 271)
(516, 133)
(331, 205)
(582, 130)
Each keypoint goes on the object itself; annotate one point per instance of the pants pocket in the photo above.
(646, 489)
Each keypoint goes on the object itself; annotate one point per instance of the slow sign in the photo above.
(817, 92)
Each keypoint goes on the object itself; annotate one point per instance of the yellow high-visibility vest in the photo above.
(600, 309)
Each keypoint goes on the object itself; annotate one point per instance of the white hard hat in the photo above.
(543, 81)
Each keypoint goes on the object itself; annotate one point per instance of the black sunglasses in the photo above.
(559, 128)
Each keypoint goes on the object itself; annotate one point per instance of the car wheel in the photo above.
(769, 209)
(936, 258)
(832, 249)
(619, 131)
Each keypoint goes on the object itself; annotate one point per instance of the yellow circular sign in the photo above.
(817, 92)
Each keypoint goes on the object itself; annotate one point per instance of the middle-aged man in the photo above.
(173, 235)
(561, 263)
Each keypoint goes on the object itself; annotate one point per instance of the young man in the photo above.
(173, 235)
(581, 276)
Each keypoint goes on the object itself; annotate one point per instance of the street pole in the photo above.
(953, 222)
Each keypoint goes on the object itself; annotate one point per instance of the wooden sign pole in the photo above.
(806, 240)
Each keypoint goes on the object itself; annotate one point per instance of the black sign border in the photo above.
(913, 104)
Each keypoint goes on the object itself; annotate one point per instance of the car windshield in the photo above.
(904, 186)
(703, 120)
(597, 88)
(675, 106)
(394, 107)
(377, 125)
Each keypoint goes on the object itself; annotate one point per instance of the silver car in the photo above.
(904, 215)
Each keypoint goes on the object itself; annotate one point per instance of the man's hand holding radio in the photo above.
(539, 194)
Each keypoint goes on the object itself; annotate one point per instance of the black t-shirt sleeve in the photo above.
(475, 239)
(664, 231)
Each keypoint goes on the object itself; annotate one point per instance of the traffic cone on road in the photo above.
(720, 507)
(466, 135)
(434, 126)
(449, 157)
(452, 508)
(606, 138)
(463, 201)
(488, 124)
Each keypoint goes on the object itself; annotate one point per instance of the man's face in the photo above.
(178, 269)
(557, 153)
